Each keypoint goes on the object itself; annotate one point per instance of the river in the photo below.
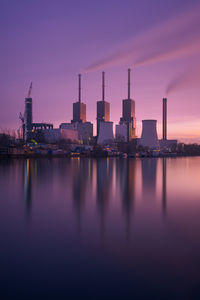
(105, 228)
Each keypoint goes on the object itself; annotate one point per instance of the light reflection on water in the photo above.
(121, 227)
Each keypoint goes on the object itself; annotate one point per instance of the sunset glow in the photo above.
(44, 43)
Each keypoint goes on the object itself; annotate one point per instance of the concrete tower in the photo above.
(103, 107)
(164, 118)
(149, 136)
(28, 115)
(28, 118)
(79, 108)
(128, 113)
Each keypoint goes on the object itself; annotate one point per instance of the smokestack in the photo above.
(164, 118)
(103, 86)
(129, 83)
(79, 88)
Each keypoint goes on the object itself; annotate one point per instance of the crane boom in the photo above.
(21, 117)
(30, 89)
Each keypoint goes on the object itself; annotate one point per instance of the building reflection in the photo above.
(36, 171)
(27, 185)
(104, 171)
(149, 173)
(80, 175)
(126, 171)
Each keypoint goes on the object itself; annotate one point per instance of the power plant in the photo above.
(81, 129)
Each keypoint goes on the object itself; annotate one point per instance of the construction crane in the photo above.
(22, 127)
(22, 116)
(29, 91)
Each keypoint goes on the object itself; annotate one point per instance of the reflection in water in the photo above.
(28, 184)
(82, 172)
(149, 172)
(126, 172)
(164, 179)
(104, 182)
(79, 184)
(105, 193)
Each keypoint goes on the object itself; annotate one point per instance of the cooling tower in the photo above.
(149, 136)
(105, 133)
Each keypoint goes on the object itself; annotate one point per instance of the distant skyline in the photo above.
(51, 42)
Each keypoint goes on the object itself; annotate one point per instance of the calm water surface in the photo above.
(100, 229)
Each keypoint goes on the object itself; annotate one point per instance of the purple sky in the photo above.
(50, 42)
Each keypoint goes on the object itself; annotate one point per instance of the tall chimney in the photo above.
(164, 118)
(79, 88)
(129, 84)
(103, 86)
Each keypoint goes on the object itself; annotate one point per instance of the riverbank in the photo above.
(92, 155)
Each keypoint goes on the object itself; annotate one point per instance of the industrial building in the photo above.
(168, 144)
(41, 126)
(79, 108)
(103, 107)
(57, 134)
(128, 119)
(85, 130)
(104, 126)
(79, 123)
(30, 128)
(121, 132)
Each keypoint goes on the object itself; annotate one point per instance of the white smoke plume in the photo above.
(189, 79)
(168, 40)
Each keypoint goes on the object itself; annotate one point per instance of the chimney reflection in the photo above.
(164, 187)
